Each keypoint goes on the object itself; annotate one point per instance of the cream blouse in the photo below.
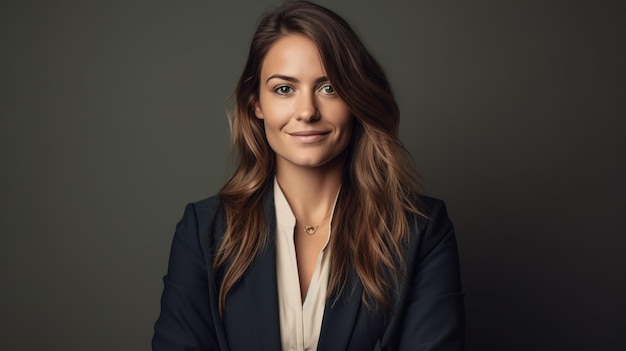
(300, 323)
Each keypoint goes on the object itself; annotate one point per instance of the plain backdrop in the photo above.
(113, 118)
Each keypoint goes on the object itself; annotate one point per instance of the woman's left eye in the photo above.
(327, 89)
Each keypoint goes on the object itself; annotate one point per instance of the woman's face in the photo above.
(306, 123)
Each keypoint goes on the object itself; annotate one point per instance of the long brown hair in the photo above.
(378, 173)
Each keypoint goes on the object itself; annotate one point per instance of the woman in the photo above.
(320, 240)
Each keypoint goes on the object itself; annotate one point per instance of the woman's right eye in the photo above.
(283, 90)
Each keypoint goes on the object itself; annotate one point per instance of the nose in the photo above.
(307, 108)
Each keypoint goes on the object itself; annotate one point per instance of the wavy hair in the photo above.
(378, 171)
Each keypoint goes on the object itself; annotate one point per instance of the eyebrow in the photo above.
(295, 80)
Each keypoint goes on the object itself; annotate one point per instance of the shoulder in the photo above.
(431, 205)
(206, 206)
(434, 212)
(202, 224)
(434, 228)
(207, 209)
(200, 212)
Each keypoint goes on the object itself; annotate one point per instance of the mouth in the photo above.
(309, 136)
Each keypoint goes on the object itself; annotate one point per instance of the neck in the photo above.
(311, 192)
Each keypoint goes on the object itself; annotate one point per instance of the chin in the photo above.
(317, 163)
(311, 164)
(312, 160)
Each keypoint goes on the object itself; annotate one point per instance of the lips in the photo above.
(309, 136)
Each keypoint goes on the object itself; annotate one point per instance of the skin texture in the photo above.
(309, 127)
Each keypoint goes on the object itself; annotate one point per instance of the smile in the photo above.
(309, 136)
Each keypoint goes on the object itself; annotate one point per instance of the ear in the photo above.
(257, 110)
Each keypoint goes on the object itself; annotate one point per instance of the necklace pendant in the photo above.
(310, 230)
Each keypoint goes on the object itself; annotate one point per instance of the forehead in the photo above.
(293, 55)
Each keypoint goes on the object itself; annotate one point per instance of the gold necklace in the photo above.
(311, 230)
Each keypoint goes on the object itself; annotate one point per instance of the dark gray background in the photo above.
(112, 119)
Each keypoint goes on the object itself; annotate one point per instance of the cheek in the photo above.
(275, 113)
(273, 121)
(349, 127)
(337, 112)
(347, 120)
(347, 130)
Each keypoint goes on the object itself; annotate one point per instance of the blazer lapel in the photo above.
(252, 307)
(340, 316)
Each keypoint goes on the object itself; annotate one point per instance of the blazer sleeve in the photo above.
(185, 320)
(434, 311)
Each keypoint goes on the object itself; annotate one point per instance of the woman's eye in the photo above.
(283, 89)
(328, 89)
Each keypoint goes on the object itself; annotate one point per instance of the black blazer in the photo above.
(428, 311)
